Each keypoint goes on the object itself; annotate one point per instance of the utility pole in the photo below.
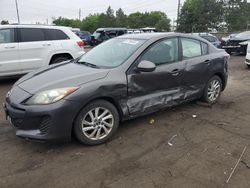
(80, 11)
(178, 13)
(18, 18)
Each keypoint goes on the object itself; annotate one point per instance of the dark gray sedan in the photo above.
(123, 78)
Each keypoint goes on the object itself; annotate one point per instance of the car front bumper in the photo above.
(43, 123)
(247, 61)
(237, 48)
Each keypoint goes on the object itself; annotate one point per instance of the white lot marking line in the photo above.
(236, 164)
(171, 140)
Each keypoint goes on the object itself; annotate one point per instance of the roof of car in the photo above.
(30, 26)
(111, 29)
(147, 36)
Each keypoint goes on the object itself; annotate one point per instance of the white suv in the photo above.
(24, 48)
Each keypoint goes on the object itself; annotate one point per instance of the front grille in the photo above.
(45, 125)
(233, 42)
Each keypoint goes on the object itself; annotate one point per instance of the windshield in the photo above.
(96, 34)
(111, 53)
(245, 34)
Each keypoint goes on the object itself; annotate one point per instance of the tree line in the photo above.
(156, 19)
(222, 15)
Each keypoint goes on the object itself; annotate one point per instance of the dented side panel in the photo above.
(148, 92)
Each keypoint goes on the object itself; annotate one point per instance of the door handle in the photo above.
(9, 47)
(175, 72)
(207, 62)
(47, 44)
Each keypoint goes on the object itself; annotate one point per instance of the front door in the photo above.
(150, 91)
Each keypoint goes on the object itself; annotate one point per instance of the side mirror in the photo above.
(146, 66)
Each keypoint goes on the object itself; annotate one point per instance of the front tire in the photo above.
(96, 123)
(213, 90)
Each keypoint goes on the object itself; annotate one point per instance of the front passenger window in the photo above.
(165, 51)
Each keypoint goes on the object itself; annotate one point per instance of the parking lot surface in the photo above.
(206, 143)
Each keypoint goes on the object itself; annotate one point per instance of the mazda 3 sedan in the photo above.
(123, 78)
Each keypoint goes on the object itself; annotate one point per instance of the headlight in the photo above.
(50, 96)
(244, 43)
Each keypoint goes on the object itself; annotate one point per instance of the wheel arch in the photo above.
(106, 98)
(220, 75)
(66, 54)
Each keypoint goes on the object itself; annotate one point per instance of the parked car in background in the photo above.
(24, 48)
(134, 31)
(148, 30)
(238, 43)
(122, 78)
(225, 39)
(248, 56)
(211, 38)
(103, 34)
(85, 36)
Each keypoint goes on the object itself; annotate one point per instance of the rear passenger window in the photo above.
(7, 36)
(55, 34)
(204, 48)
(191, 48)
(31, 34)
(209, 38)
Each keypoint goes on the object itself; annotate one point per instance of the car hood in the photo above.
(60, 76)
(239, 39)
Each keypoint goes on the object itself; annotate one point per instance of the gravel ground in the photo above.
(203, 154)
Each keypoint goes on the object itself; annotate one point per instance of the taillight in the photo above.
(226, 57)
(80, 43)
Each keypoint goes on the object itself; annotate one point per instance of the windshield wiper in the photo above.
(88, 64)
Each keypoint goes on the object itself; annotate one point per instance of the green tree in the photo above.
(109, 18)
(200, 15)
(121, 18)
(237, 15)
(135, 20)
(163, 25)
(4, 22)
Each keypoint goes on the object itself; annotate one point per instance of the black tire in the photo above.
(59, 59)
(206, 97)
(248, 66)
(78, 129)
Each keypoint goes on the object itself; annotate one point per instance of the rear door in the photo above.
(197, 70)
(150, 91)
(33, 48)
(9, 56)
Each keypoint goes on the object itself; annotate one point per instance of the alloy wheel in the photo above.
(214, 90)
(97, 123)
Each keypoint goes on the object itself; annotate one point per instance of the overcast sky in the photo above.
(32, 11)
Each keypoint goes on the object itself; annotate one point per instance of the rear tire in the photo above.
(96, 123)
(213, 90)
(59, 60)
